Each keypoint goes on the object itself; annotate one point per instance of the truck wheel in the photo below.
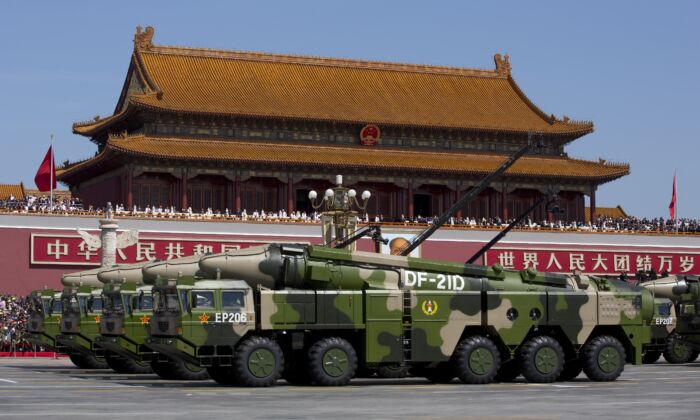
(443, 373)
(392, 371)
(676, 350)
(508, 371)
(332, 361)
(693, 355)
(650, 357)
(603, 358)
(259, 362)
(477, 360)
(222, 375)
(124, 365)
(87, 362)
(179, 370)
(572, 368)
(162, 369)
(541, 359)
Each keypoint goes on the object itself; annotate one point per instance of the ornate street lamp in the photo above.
(339, 210)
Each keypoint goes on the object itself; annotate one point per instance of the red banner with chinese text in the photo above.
(72, 250)
(591, 261)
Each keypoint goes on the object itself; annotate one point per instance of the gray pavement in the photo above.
(46, 388)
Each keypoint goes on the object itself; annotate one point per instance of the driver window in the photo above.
(203, 300)
(232, 300)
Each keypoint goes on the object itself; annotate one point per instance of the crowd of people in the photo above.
(13, 324)
(41, 205)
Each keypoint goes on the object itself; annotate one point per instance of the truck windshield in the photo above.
(166, 300)
(47, 305)
(56, 306)
(70, 304)
(143, 303)
(95, 304)
(112, 302)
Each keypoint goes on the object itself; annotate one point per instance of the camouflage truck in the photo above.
(684, 344)
(665, 339)
(81, 312)
(313, 314)
(44, 316)
(125, 320)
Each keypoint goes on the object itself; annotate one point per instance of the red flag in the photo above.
(46, 173)
(672, 206)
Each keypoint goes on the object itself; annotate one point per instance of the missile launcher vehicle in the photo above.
(44, 316)
(314, 314)
(128, 307)
(683, 344)
(664, 338)
(81, 311)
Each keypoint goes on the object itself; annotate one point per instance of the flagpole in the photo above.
(51, 177)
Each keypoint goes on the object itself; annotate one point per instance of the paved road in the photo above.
(53, 389)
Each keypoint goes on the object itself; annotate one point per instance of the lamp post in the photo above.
(339, 210)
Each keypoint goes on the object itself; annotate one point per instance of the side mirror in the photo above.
(192, 301)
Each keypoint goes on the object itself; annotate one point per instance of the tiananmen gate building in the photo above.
(205, 128)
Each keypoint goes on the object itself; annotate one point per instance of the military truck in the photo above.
(683, 345)
(44, 315)
(81, 312)
(665, 339)
(314, 314)
(125, 320)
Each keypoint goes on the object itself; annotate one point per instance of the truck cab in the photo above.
(44, 316)
(213, 314)
(127, 309)
(79, 325)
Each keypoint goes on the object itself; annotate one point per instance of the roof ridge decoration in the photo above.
(502, 65)
(143, 39)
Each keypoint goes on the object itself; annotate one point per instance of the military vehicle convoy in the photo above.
(128, 307)
(317, 315)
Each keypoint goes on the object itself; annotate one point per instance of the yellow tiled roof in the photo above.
(612, 212)
(17, 190)
(348, 157)
(355, 91)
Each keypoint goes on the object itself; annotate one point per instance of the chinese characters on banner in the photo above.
(72, 250)
(596, 262)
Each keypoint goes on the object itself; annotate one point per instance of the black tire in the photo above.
(332, 361)
(222, 375)
(87, 362)
(572, 368)
(443, 373)
(508, 371)
(179, 370)
(392, 371)
(541, 359)
(476, 360)
(693, 355)
(650, 357)
(162, 369)
(124, 365)
(677, 351)
(259, 362)
(603, 358)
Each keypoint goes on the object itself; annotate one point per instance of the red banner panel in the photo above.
(591, 261)
(72, 250)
